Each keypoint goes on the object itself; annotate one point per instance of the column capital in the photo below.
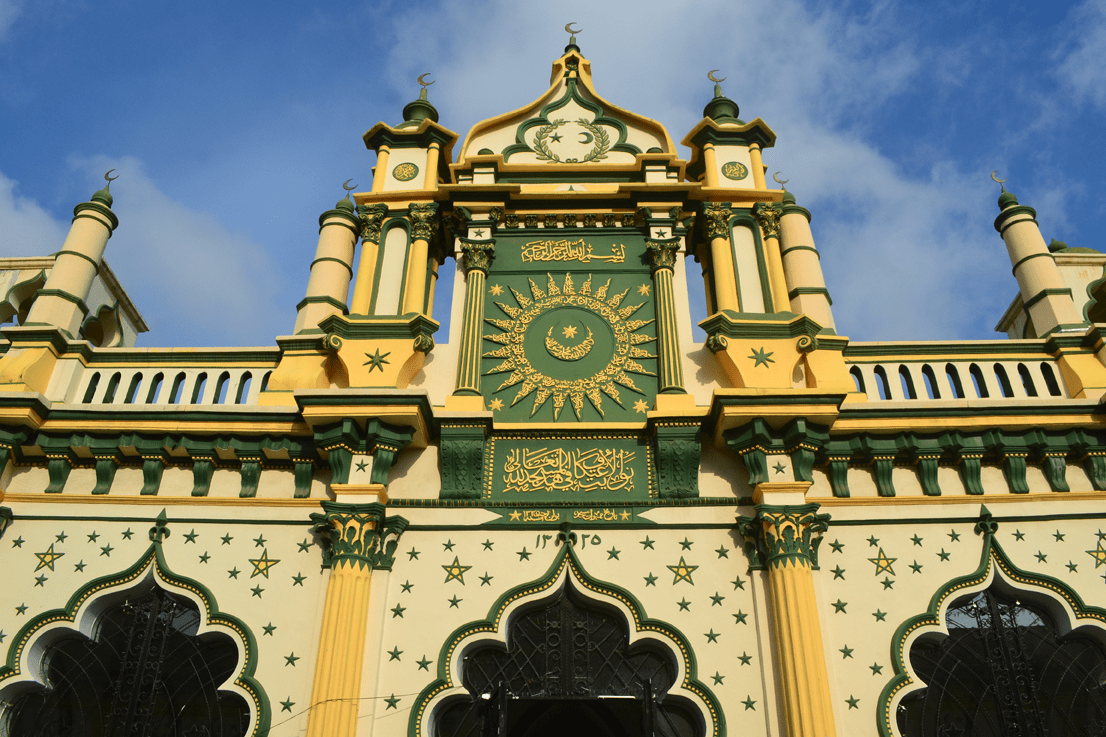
(782, 535)
(716, 219)
(769, 218)
(661, 254)
(358, 535)
(372, 218)
(477, 255)
(423, 220)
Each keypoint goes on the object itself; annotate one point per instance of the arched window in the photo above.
(1027, 380)
(113, 386)
(1003, 380)
(90, 392)
(883, 385)
(177, 393)
(265, 381)
(155, 388)
(931, 382)
(243, 388)
(1050, 379)
(977, 379)
(858, 379)
(145, 673)
(954, 381)
(1004, 669)
(198, 389)
(132, 390)
(907, 382)
(222, 386)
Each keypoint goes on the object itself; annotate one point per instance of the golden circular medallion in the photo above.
(734, 170)
(405, 172)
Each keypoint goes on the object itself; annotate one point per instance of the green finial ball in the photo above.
(1006, 199)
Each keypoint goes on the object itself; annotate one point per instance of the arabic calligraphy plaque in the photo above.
(582, 470)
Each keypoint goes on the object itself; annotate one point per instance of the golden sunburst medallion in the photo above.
(568, 343)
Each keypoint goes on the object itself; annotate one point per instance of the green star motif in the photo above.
(723, 552)
(190, 537)
(916, 567)
(297, 580)
(424, 664)
(46, 559)
(262, 565)
(888, 583)
(879, 615)
(455, 571)
(488, 544)
(613, 553)
(226, 539)
(650, 580)
(412, 554)
(717, 599)
(257, 591)
(1101, 534)
(837, 546)
(943, 555)
(1099, 555)
(2, 636)
(682, 572)
(18, 542)
(839, 607)
(304, 547)
(917, 540)
(448, 545)
(398, 611)
(486, 580)
(522, 554)
(873, 542)
(883, 563)
(1019, 535)
(711, 636)
(740, 617)
(852, 702)
(41, 581)
(21, 609)
(290, 660)
(738, 583)
(877, 669)
(407, 586)
(79, 567)
(205, 557)
(954, 536)
(1059, 536)
(684, 605)
(93, 537)
(1041, 557)
(233, 572)
(717, 678)
(686, 544)
(106, 550)
(779, 467)
(127, 534)
(362, 465)
(376, 361)
(647, 543)
(762, 357)
(259, 541)
(391, 701)
(395, 653)
(749, 703)
(60, 537)
(556, 138)
(846, 652)
(270, 628)
(1072, 566)
(745, 658)
(454, 602)
(287, 704)
(838, 572)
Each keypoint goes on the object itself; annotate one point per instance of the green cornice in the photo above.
(426, 133)
(796, 210)
(1002, 221)
(100, 208)
(710, 131)
(757, 325)
(377, 328)
(982, 348)
(351, 221)
(369, 398)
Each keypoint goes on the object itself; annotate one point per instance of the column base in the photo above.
(675, 404)
(464, 403)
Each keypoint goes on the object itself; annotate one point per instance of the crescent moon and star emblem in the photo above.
(568, 27)
(567, 353)
(423, 82)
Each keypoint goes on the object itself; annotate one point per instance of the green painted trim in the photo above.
(1002, 222)
(62, 294)
(395, 222)
(113, 310)
(810, 290)
(1049, 256)
(382, 327)
(745, 218)
(78, 254)
(796, 210)
(801, 248)
(983, 348)
(493, 621)
(350, 221)
(154, 556)
(1046, 292)
(335, 260)
(97, 207)
(322, 299)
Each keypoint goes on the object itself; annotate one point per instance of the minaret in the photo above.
(332, 269)
(802, 266)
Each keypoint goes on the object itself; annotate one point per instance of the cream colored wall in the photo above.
(390, 284)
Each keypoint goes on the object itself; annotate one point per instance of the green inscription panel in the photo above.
(581, 469)
(569, 327)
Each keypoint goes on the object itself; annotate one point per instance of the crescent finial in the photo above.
(345, 185)
(1000, 181)
(779, 181)
(712, 78)
(423, 82)
(568, 28)
(107, 175)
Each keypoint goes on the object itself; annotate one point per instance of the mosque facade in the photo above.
(567, 514)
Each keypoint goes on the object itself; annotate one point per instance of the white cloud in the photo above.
(27, 229)
(1081, 69)
(10, 10)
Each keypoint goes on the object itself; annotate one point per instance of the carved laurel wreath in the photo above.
(602, 143)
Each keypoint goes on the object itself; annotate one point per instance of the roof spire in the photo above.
(572, 37)
(721, 109)
(1006, 198)
(419, 110)
(345, 203)
(104, 195)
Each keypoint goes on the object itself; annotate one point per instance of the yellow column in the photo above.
(717, 218)
(332, 269)
(358, 538)
(769, 218)
(710, 165)
(781, 536)
(422, 230)
(477, 259)
(662, 260)
(758, 166)
(371, 222)
(432, 156)
(380, 173)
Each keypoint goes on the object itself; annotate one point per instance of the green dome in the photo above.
(1006, 199)
(788, 198)
(417, 111)
(103, 196)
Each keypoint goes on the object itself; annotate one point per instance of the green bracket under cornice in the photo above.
(677, 450)
(771, 326)
(462, 453)
(756, 440)
(344, 439)
(202, 471)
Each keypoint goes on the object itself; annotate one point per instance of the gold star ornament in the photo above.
(683, 572)
(455, 571)
(263, 564)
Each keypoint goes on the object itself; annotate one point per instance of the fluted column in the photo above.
(372, 220)
(332, 269)
(61, 300)
(716, 216)
(423, 222)
(477, 259)
(802, 266)
(662, 260)
(357, 539)
(768, 216)
(1044, 295)
(784, 539)
(757, 166)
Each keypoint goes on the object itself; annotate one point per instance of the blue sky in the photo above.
(233, 125)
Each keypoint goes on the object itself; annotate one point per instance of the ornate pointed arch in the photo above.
(994, 564)
(567, 565)
(25, 662)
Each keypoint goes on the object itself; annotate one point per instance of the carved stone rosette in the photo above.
(423, 220)
(358, 535)
(477, 255)
(716, 219)
(779, 536)
(372, 219)
(769, 218)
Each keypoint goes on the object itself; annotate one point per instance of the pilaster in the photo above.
(476, 259)
(424, 224)
(768, 216)
(716, 223)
